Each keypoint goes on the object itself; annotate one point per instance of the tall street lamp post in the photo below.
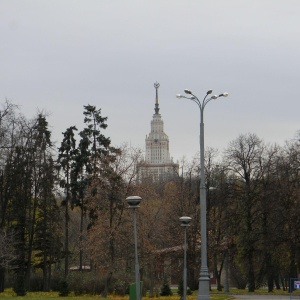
(184, 223)
(203, 290)
(134, 202)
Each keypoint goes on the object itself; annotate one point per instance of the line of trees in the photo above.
(29, 213)
(63, 208)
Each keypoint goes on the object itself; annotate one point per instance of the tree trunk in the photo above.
(251, 277)
(107, 282)
(2, 278)
(81, 236)
(277, 284)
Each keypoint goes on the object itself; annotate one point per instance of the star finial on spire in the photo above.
(156, 109)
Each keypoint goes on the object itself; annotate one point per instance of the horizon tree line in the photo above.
(64, 207)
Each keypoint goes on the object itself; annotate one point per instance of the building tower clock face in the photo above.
(155, 140)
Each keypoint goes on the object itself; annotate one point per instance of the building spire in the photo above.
(156, 109)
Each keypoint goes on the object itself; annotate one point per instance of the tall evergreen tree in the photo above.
(66, 157)
(46, 209)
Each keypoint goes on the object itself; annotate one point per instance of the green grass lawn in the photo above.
(9, 294)
(214, 295)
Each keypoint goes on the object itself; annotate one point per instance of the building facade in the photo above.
(157, 165)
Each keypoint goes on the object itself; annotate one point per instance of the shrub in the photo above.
(64, 289)
(180, 289)
(121, 287)
(165, 289)
(19, 285)
(56, 280)
(86, 283)
(36, 282)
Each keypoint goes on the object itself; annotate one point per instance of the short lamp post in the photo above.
(203, 290)
(185, 223)
(133, 202)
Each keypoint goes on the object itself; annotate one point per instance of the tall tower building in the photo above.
(158, 165)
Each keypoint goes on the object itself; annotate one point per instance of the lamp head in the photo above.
(185, 220)
(214, 97)
(209, 92)
(223, 95)
(179, 96)
(133, 201)
(188, 92)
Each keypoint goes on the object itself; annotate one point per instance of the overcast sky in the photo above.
(59, 55)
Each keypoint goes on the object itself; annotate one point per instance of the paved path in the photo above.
(265, 297)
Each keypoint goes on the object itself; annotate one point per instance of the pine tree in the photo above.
(66, 157)
(165, 289)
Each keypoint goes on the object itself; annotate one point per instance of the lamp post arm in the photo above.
(205, 101)
(196, 100)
